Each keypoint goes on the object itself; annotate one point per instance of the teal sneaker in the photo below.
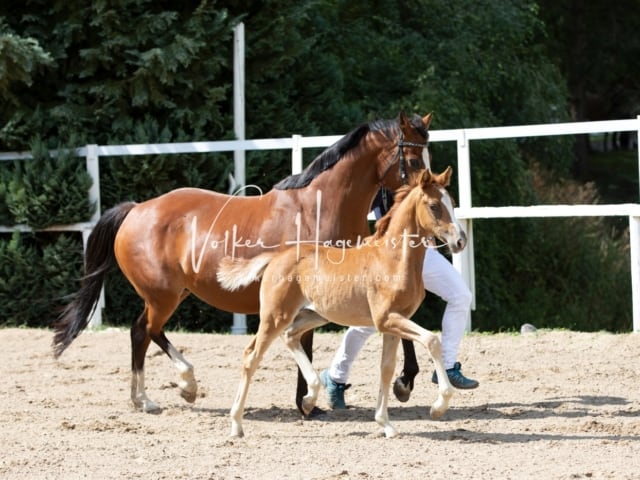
(335, 390)
(457, 379)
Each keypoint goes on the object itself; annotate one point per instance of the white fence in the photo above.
(464, 262)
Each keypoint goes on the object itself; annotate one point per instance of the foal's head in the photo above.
(435, 210)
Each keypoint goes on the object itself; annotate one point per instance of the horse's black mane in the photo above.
(335, 152)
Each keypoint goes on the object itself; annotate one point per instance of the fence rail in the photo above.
(464, 261)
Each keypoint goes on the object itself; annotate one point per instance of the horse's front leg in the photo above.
(306, 342)
(387, 367)
(403, 385)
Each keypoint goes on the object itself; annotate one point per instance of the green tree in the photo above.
(141, 71)
(594, 43)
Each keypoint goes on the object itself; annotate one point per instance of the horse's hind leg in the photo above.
(139, 344)
(188, 386)
(403, 385)
(149, 326)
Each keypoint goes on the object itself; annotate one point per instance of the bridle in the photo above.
(399, 157)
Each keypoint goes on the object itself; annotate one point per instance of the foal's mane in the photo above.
(335, 152)
(382, 225)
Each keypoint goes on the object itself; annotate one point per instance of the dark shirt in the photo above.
(382, 202)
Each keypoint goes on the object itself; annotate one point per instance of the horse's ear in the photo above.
(444, 178)
(402, 119)
(426, 120)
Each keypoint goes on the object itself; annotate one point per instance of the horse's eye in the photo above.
(416, 163)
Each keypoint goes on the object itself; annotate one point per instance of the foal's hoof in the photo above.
(401, 391)
(435, 414)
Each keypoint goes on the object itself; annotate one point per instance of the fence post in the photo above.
(638, 151)
(239, 326)
(93, 168)
(464, 261)
(634, 244)
(296, 155)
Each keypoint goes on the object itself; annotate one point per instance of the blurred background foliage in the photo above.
(150, 71)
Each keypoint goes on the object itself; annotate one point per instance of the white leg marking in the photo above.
(445, 390)
(187, 384)
(138, 395)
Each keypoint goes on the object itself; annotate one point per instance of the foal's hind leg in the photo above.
(250, 360)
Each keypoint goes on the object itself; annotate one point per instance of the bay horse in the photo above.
(169, 247)
(378, 282)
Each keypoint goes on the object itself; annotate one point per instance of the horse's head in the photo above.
(408, 154)
(435, 211)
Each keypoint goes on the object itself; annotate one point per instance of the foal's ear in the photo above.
(444, 178)
(426, 178)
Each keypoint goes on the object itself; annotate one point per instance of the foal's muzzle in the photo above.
(457, 245)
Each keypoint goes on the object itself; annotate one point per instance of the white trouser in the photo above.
(439, 277)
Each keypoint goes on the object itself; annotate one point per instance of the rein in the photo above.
(400, 156)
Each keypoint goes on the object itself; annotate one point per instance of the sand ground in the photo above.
(551, 405)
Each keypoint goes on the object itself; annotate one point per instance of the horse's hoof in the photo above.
(316, 414)
(151, 407)
(188, 396)
(401, 391)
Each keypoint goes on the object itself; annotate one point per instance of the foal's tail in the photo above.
(234, 274)
(99, 259)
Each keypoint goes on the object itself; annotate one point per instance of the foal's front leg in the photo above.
(396, 324)
(387, 367)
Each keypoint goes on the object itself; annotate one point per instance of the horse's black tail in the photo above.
(99, 259)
